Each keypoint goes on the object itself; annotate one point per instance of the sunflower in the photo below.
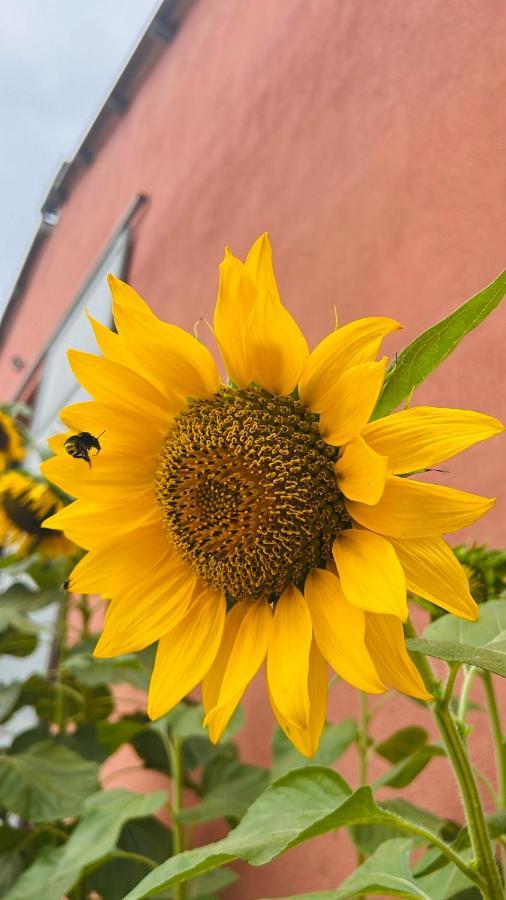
(11, 443)
(264, 519)
(24, 504)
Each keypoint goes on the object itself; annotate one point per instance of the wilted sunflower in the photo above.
(263, 519)
(11, 442)
(24, 504)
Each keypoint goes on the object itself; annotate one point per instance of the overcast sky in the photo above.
(58, 61)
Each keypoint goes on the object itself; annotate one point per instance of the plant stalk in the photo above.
(491, 888)
(174, 749)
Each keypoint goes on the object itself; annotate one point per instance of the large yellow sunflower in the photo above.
(263, 519)
(11, 443)
(24, 504)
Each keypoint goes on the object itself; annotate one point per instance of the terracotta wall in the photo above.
(368, 137)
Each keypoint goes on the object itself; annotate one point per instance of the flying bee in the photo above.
(79, 445)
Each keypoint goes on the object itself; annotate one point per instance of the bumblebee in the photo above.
(79, 445)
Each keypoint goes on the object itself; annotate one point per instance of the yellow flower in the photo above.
(11, 443)
(24, 504)
(263, 520)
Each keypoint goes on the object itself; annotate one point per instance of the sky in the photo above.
(58, 61)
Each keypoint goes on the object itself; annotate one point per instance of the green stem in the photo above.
(430, 838)
(497, 734)
(491, 887)
(173, 748)
(363, 748)
(470, 672)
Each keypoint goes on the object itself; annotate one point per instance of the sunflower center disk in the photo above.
(248, 493)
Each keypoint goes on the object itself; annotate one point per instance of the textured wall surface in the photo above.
(368, 137)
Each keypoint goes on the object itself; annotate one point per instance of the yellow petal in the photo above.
(236, 297)
(113, 565)
(212, 682)
(276, 346)
(109, 342)
(114, 384)
(432, 571)
(288, 657)
(250, 649)
(306, 740)
(423, 436)
(138, 618)
(339, 631)
(353, 344)
(385, 640)
(112, 476)
(371, 576)
(175, 358)
(89, 524)
(187, 652)
(361, 472)
(137, 434)
(350, 402)
(412, 509)
(56, 442)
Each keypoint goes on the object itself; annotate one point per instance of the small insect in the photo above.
(65, 586)
(79, 445)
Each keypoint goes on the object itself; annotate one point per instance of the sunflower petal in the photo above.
(385, 641)
(350, 402)
(353, 344)
(139, 617)
(89, 524)
(371, 576)
(432, 571)
(412, 509)
(115, 384)
(115, 564)
(276, 346)
(187, 652)
(181, 363)
(424, 436)
(306, 740)
(339, 631)
(236, 298)
(288, 657)
(138, 435)
(109, 342)
(112, 476)
(212, 682)
(250, 650)
(361, 472)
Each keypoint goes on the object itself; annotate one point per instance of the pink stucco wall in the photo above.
(368, 137)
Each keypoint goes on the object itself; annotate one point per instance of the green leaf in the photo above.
(113, 734)
(120, 670)
(386, 872)
(55, 871)
(432, 347)
(449, 883)
(230, 787)
(18, 601)
(299, 806)
(402, 743)
(46, 782)
(115, 877)
(15, 642)
(369, 837)
(482, 657)
(334, 741)
(205, 887)
(496, 825)
(490, 625)
(406, 770)
(9, 696)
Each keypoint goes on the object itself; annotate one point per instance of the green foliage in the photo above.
(334, 741)
(433, 346)
(481, 644)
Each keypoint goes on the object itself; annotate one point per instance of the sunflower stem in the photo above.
(491, 887)
(498, 736)
(363, 749)
(173, 749)
(470, 672)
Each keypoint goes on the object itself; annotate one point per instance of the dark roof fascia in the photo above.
(159, 33)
